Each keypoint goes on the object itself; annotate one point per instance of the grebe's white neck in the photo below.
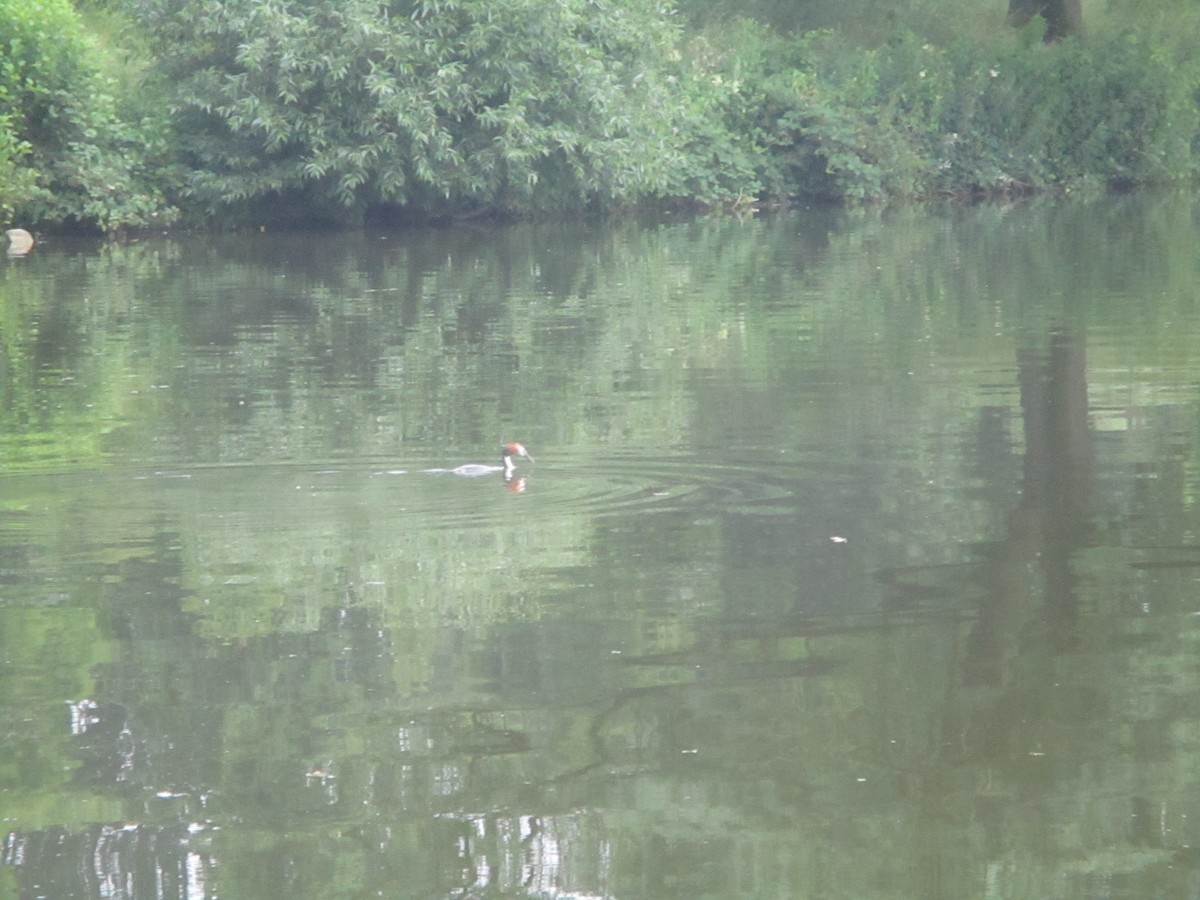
(508, 451)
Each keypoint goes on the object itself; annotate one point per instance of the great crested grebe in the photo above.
(507, 452)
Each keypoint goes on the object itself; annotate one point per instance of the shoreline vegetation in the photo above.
(119, 116)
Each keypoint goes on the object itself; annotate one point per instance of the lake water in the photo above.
(860, 559)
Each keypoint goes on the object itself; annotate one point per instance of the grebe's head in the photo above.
(514, 449)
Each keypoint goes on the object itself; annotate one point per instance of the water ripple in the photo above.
(652, 483)
(574, 483)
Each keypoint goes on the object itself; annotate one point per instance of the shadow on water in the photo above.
(1050, 524)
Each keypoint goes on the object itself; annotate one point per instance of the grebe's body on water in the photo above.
(507, 466)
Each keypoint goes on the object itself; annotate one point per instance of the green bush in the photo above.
(335, 107)
(18, 184)
(1111, 111)
(812, 116)
(73, 159)
(806, 116)
(854, 132)
(720, 156)
(298, 110)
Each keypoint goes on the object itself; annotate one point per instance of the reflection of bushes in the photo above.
(70, 863)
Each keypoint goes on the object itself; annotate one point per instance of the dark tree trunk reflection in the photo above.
(1059, 469)
(1051, 521)
(1063, 17)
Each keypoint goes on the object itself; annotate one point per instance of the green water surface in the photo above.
(860, 558)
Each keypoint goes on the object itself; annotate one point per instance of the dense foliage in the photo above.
(335, 110)
(320, 105)
(70, 152)
(815, 116)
